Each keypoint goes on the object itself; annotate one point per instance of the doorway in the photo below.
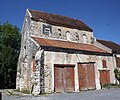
(86, 75)
(64, 78)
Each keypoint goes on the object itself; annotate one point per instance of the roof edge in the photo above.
(97, 50)
(29, 13)
(85, 28)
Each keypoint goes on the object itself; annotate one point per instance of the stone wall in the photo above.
(59, 32)
(52, 58)
(117, 55)
(29, 48)
(99, 45)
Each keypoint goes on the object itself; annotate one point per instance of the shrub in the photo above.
(117, 74)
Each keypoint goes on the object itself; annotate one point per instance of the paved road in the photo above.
(107, 94)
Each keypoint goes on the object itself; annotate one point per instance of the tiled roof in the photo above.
(114, 46)
(59, 20)
(68, 45)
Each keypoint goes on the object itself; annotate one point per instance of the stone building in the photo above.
(61, 54)
(115, 50)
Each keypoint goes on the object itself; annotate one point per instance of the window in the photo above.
(84, 38)
(47, 29)
(93, 39)
(118, 61)
(76, 36)
(104, 63)
(68, 35)
(33, 64)
(59, 32)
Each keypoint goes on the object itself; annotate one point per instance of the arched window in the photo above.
(68, 36)
(59, 32)
(84, 38)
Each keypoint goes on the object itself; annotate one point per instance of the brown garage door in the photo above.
(59, 79)
(86, 74)
(69, 78)
(91, 76)
(82, 76)
(104, 77)
(64, 78)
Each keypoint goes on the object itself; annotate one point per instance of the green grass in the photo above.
(111, 85)
(25, 91)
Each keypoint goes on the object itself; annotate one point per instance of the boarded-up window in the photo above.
(104, 63)
(118, 61)
(33, 64)
(47, 29)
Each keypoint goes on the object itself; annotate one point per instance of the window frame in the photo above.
(47, 29)
(104, 64)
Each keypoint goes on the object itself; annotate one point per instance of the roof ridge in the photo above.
(108, 41)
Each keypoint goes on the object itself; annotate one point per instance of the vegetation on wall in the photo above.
(10, 38)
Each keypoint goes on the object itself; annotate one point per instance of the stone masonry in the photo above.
(33, 55)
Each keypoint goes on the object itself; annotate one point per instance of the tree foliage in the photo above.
(9, 51)
(117, 74)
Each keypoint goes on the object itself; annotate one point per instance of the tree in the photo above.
(117, 74)
(9, 51)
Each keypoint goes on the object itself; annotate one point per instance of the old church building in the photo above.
(61, 54)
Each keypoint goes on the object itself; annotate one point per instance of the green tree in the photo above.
(117, 74)
(9, 51)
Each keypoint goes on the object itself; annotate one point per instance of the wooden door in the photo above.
(64, 78)
(82, 75)
(86, 74)
(104, 77)
(69, 79)
(91, 76)
(59, 79)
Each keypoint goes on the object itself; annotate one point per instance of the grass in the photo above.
(111, 86)
(25, 91)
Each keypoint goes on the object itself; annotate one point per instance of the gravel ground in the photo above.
(106, 94)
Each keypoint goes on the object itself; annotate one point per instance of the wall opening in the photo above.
(68, 36)
(84, 38)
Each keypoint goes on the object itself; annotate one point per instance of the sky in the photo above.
(103, 16)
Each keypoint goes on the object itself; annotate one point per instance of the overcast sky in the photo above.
(103, 16)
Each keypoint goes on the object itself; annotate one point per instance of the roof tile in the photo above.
(67, 45)
(59, 20)
(114, 46)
